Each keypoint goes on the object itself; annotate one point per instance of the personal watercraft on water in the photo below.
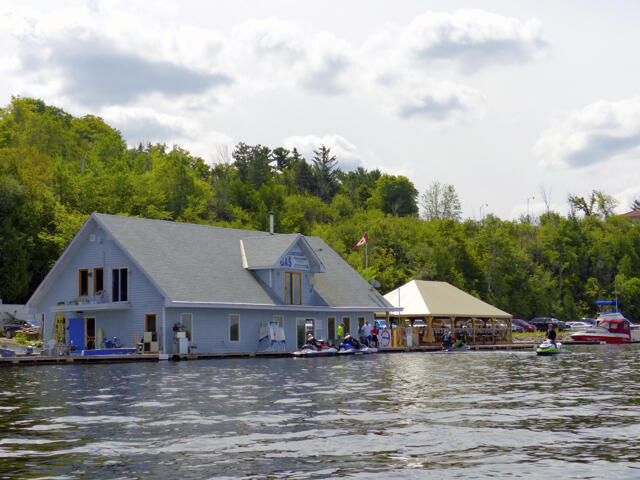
(348, 349)
(457, 348)
(549, 348)
(313, 351)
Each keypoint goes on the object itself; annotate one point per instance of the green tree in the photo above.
(394, 195)
(325, 169)
(441, 201)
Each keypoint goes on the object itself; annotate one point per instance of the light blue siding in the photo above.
(211, 327)
(98, 250)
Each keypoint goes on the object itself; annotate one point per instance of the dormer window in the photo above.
(292, 288)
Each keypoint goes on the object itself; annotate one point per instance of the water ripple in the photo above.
(477, 415)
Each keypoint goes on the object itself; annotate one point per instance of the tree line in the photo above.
(56, 169)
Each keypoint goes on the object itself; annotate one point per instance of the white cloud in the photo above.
(271, 52)
(440, 102)
(159, 79)
(472, 38)
(595, 134)
(347, 154)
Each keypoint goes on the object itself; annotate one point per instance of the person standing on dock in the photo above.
(339, 333)
(551, 333)
(366, 332)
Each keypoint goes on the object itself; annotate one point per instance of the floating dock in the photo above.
(26, 360)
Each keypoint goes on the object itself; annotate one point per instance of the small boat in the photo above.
(611, 327)
(322, 350)
(549, 348)
(314, 352)
(457, 348)
(347, 349)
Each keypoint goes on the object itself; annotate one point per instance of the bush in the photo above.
(21, 338)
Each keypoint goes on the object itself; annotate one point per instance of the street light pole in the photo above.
(532, 197)
(481, 215)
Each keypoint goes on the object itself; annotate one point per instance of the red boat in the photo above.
(612, 327)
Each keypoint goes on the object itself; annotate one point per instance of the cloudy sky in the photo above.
(504, 100)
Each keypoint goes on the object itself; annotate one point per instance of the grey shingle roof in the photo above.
(265, 250)
(200, 263)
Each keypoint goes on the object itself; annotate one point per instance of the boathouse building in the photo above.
(218, 290)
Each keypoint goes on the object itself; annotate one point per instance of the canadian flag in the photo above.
(363, 241)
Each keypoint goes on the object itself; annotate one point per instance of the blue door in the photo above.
(76, 333)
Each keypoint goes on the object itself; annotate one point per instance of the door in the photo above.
(150, 336)
(76, 334)
(90, 333)
(300, 323)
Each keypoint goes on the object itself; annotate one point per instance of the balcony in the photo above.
(91, 303)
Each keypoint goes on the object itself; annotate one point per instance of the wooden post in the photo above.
(509, 327)
(493, 330)
(431, 338)
(473, 330)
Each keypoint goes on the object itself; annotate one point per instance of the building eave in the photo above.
(289, 308)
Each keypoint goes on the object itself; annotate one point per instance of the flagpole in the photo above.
(366, 255)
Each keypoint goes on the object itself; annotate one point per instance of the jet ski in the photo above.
(549, 348)
(349, 349)
(324, 350)
(457, 348)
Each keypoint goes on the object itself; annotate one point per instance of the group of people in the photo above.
(369, 334)
(368, 337)
(450, 340)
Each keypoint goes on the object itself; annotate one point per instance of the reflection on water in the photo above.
(475, 415)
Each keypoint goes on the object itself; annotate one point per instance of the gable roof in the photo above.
(421, 297)
(265, 251)
(202, 264)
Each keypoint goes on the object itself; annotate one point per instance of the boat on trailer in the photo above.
(611, 327)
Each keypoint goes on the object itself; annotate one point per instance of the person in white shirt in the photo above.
(366, 332)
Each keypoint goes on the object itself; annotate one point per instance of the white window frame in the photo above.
(347, 320)
(234, 315)
(188, 326)
(119, 268)
(332, 335)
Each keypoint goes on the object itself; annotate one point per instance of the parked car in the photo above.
(11, 324)
(517, 328)
(591, 321)
(380, 324)
(578, 325)
(541, 323)
(526, 327)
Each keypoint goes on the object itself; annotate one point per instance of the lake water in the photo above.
(418, 415)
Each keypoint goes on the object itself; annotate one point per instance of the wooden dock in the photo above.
(33, 360)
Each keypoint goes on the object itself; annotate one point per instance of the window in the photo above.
(279, 320)
(331, 325)
(347, 325)
(360, 323)
(292, 288)
(98, 280)
(150, 322)
(234, 328)
(83, 282)
(119, 285)
(186, 319)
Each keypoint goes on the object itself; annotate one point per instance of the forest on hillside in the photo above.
(56, 169)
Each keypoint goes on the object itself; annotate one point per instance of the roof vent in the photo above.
(271, 222)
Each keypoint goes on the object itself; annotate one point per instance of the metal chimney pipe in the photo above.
(271, 222)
